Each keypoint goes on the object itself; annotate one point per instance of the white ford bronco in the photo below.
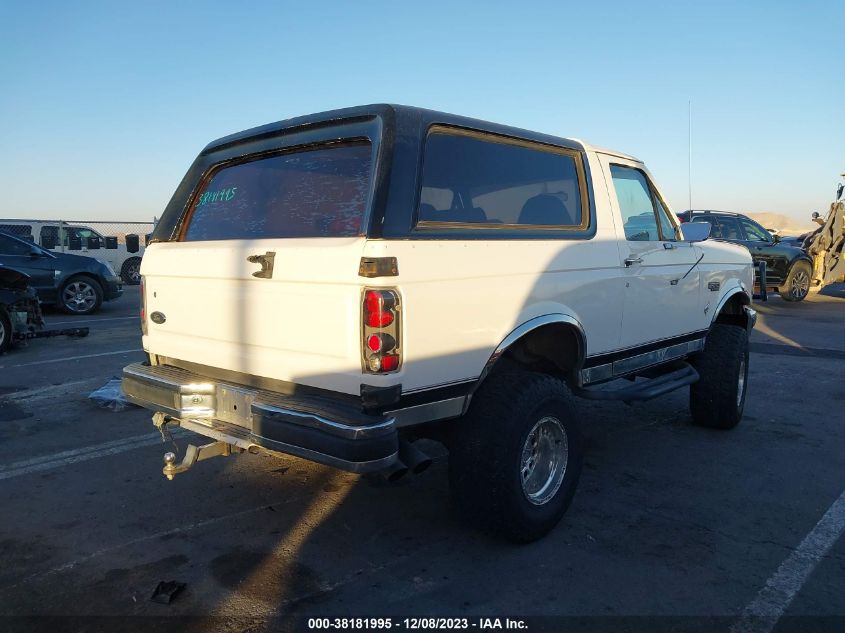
(339, 285)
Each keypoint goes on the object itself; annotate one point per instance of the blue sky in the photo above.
(104, 105)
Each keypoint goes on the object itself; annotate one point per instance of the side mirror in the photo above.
(776, 238)
(35, 253)
(815, 215)
(695, 231)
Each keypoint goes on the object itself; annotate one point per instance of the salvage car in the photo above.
(74, 283)
(20, 312)
(338, 285)
(788, 268)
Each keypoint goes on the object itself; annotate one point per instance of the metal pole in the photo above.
(689, 158)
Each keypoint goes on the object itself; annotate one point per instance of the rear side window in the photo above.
(315, 192)
(483, 180)
(728, 228)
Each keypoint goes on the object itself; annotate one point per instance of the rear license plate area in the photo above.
(234, 405)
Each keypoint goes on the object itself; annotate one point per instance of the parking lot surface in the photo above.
(670, 520)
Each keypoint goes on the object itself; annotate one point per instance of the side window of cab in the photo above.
(644, 215)
(754, 232)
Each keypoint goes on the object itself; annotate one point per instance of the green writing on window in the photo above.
(224, 195)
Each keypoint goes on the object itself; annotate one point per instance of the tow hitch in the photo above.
(224, 446)
(194, 454)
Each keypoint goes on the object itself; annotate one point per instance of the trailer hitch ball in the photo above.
(169, 461)
(194, 454)
(170, 469)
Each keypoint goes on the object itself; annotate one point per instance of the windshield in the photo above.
(315, 192)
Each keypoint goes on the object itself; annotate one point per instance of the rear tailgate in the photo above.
(262, 278)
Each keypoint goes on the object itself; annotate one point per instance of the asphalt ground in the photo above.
(674, 527)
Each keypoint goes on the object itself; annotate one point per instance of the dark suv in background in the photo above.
(76, 284)
(788, 268)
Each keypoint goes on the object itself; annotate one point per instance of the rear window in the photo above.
(317, 192)
(479, 179)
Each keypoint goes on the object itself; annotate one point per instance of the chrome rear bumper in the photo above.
(319, 429)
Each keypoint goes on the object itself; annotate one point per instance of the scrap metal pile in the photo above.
(827, 245)
(20, 312)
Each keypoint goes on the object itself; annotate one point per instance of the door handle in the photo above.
(630, 261)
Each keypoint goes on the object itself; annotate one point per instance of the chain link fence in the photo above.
(119, 243)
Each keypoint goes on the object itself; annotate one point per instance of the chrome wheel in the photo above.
(544, 458)
(3, 333)
(79, 296)
(800, 284)
(740, 390)
(132, 273)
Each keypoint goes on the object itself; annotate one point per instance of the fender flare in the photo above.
(746, 303)
(524, 328)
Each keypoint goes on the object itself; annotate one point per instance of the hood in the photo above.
(11, 279)
(75, 261)
(726, 252)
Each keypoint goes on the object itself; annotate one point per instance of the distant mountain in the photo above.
(783, 223)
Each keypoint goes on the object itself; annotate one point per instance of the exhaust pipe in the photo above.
(415, 460)
(394, 472)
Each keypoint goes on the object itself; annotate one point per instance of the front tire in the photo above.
(80, 295)
(797, 285)
(515, 458)
(717, 400)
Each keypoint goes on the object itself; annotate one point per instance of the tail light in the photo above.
(381, 324)
(143, 308)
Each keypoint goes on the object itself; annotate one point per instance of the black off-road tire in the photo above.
(487, 458)
(130, 272)
(797, 284)
(717, 400)
(5, 331)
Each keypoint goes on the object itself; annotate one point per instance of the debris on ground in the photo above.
(111, 396)
(165, 592)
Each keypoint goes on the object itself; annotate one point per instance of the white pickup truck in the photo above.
(338, 285)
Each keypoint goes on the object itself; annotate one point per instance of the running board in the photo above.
(645, 390)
